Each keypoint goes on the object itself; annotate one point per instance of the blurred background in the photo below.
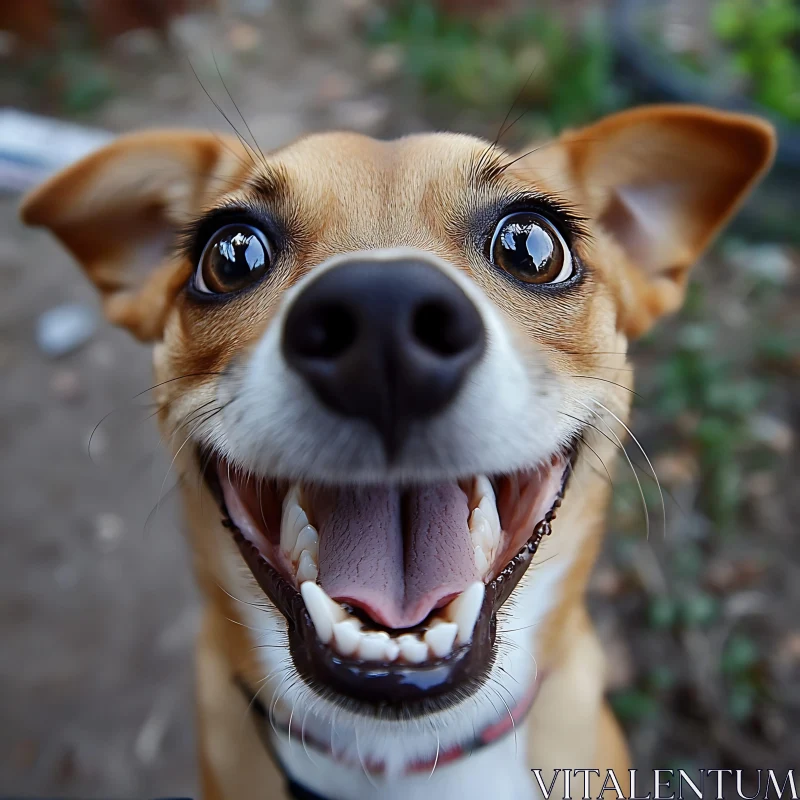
(97, 606)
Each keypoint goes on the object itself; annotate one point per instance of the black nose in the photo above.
(387, 341)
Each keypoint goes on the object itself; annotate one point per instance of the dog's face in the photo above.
(397, 367)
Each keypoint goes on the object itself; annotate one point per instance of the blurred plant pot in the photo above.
(655, 76)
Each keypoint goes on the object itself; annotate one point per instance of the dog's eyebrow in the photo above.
(268, 188)
(487, 177)
(270, 183)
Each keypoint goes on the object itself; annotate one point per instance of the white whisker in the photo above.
(630, 464)
(649, 463)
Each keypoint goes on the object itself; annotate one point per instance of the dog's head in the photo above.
(398, 366)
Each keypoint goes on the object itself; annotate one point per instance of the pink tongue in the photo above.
(395, 557)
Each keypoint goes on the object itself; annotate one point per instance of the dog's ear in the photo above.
(662, 181)
(117, 211)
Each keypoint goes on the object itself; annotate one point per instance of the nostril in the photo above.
(330, 331)
(438, 327)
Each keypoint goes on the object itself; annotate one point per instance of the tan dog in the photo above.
(381, 365)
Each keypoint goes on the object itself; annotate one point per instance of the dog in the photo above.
(391, 374)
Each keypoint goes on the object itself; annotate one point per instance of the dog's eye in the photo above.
(529, 247)
(235, 256)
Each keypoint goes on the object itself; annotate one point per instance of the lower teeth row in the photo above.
(451, 627)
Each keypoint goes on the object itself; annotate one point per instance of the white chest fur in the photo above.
(498, 770)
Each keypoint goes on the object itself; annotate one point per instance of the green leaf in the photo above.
(661, 678)
(633, 705)
(662, 613)
(699, 610)
(739, 656)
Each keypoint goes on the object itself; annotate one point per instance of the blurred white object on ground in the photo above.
(65, 328)
(33, 147)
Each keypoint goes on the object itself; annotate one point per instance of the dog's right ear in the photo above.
(118, 209)
(662, 181)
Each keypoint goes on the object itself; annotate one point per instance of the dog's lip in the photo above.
(410, 689)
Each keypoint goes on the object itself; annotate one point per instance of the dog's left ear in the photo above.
(118, 210)
(662, 181)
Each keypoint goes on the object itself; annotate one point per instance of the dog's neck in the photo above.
(277, 735)
(492, 771)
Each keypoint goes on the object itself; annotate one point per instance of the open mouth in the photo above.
(391, 593)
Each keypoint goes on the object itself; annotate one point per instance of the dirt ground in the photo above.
(97, 605)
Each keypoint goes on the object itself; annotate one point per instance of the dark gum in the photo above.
(402, 689)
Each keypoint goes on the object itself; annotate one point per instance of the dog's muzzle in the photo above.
(389, 341)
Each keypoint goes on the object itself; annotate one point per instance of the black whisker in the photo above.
(162, 496)
(248, 148)
(144, 391)
(238, 110)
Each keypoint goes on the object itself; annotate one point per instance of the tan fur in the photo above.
(342, 192)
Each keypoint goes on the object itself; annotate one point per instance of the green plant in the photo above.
(763, 36)
(634, 705)
(739, 664)
(716, 401)
(486, 63)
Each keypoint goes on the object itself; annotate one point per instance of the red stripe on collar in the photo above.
(487, 736)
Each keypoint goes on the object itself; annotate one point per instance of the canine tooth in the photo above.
(481, 530)
(464, 610)
(481, 562)
(373, 646)
(324, 612)
(440, 639)
(293, 519)
(307, 539)
(412, 649)
(298, 522)
(307, 569)
(488, 503)
(347, 636)
(483, 486)
(292, 497)
(288, 530)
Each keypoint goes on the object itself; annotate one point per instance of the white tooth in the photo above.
(464, 610)
(307, 569)
(392, 650)
(347, 636)
(373, 646)
(291, 518)
(412, 649)
(481, 562)
(297, 522)
(307, 539)
(481, 531)
(487, 501)
(288, 537)
(483, 486)
(324, 611)
(440, 639)
(292, 496)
